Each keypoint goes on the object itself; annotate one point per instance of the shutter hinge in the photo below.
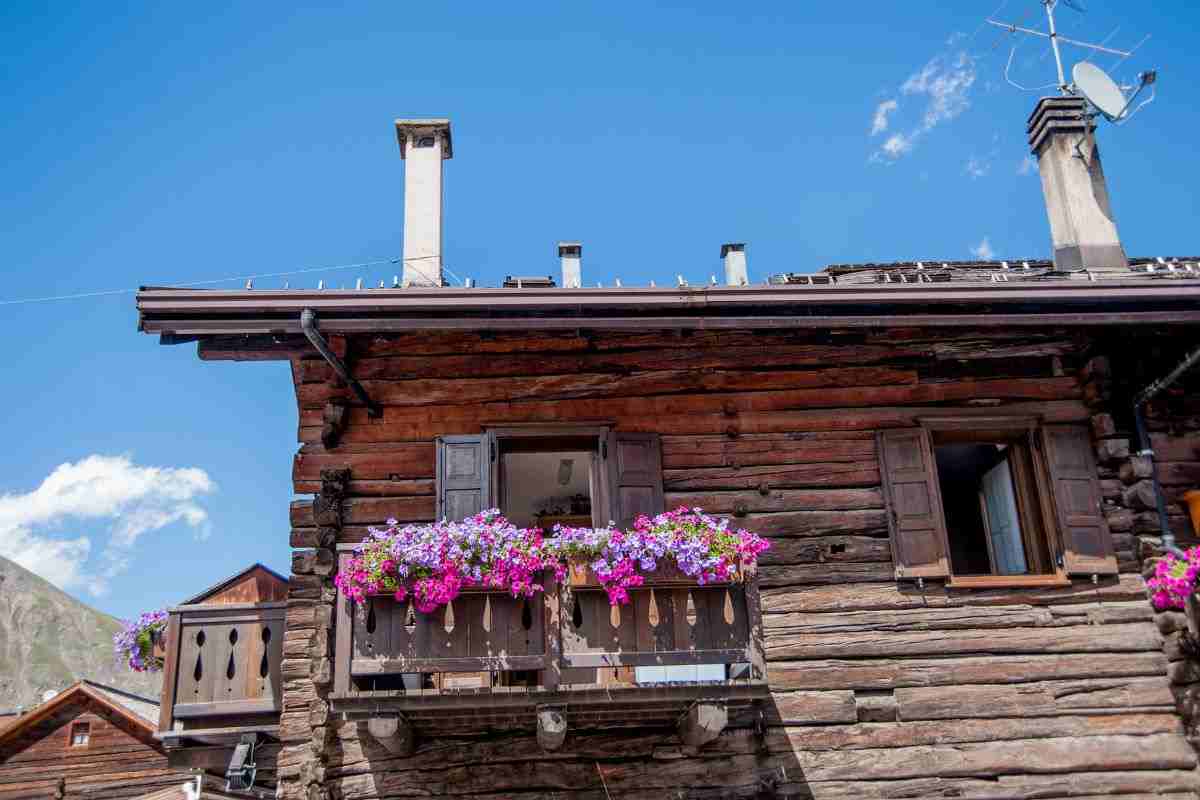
(492, 450)
(604, 450)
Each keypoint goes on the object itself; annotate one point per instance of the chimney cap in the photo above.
(431, 125)
(570, 248)
(735, 246)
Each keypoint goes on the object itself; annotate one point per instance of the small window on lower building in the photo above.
(990, 500)
(81, 733)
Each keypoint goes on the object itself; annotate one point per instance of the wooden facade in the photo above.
(83, 743)
(887, 675)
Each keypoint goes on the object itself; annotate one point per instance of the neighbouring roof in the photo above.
(1153, 291)
(139, 713)
(278, 586)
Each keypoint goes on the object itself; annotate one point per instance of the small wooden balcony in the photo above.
(489, 661)
(222, 662)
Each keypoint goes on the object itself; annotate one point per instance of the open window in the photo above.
(550, 480)
(996, 501)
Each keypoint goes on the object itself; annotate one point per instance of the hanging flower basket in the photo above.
(1174, 580)
(681, 547)
(433, 563)
(139, 644)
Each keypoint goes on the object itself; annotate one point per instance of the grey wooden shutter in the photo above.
(1083, 531)
(463, 475)
(635, 475)
(915, 519)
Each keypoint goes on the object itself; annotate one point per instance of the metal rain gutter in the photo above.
(308, 324)
(1146, 451)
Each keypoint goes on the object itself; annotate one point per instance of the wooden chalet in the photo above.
(944, 459)
(88, 741)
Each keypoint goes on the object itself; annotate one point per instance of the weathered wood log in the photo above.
(1110, 451)
(1135, 468)
(863, 623)
(810, 708)
(393, 732)
(893, 595)
(1073, 639)
(826, 549)
(767, 450)
(810, 524)
(807, 575)
(551, 727)
(741, 503)
(889, 673)
(702, 723)
(1140, 496)
(859, 473)
(1041, 699)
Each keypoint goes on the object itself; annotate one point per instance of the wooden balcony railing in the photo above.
(222, 671)
(488, 660)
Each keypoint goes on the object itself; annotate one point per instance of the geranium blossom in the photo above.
(700, 546)
(1174, 580)
(134, 643)
(432, 563)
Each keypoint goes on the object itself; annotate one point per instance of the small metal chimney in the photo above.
(734, 256)
(1082, 229)
(571, 256)
(424, 145)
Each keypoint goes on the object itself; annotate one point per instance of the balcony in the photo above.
(223, 653)
(562, 659)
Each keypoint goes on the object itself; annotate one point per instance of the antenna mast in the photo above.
(1055, 37)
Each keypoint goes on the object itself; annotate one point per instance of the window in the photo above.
(987, 501)
(80, 734)
(549, 480)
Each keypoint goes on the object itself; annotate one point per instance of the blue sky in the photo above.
(170, 143)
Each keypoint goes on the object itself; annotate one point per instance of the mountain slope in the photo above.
(48, 640)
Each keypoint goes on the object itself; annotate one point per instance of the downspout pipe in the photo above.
(308, 324)
(1147, 452)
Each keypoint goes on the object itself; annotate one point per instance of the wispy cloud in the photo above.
(879, 123)
(977, 167)
(983, 251)
(1028, 166)
(944, 83)
(108, 497)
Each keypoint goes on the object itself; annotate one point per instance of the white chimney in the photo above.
(1082, 229)
(424, 144)
(571, 255)
(734, 256)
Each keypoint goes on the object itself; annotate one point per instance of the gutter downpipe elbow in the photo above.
(1146, 451)
(308, 324)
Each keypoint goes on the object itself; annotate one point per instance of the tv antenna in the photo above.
(1110, 99)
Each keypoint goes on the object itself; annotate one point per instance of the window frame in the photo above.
(1040, 487)
(601, 503)
(76, 726)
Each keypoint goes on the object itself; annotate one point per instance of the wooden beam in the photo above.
(551, 727)
(393, 732)
(702, 723)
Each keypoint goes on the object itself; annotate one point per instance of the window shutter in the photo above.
(463, 475)
(915, 518)
(635, 475)
(1086, 541)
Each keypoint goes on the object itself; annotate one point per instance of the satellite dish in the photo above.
(1100, 90)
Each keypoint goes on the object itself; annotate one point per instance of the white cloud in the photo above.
(108, 496)
(977, 167)
(983, 251)
(945, 82)
(879, 123)
(1028, 166)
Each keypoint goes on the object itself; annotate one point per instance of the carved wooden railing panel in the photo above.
(478, 631)
(226, 662)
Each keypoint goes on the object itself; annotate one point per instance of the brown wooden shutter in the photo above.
(910, 484)
(1083, 531)
(463, 475)
(635, 475)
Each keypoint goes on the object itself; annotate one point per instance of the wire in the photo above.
(239, 278)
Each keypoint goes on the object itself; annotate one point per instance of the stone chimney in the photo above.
(571, 255)
(424, 144)
(1082, 228)
(734, 256)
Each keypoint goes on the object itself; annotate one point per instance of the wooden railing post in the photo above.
(552, 630)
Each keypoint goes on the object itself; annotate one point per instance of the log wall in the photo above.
(879, 689)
